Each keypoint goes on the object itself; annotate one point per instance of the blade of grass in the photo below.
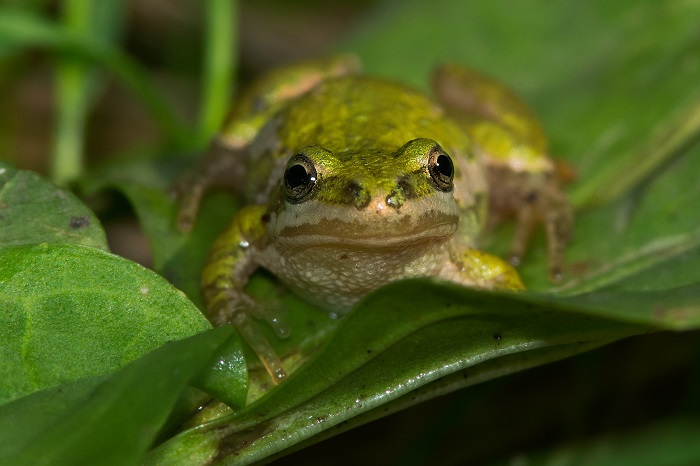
(22, 30)
(77, 83)
(219, 62)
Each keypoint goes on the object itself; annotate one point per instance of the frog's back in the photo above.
(360, 113)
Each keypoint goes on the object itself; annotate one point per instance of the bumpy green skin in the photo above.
(353, 182)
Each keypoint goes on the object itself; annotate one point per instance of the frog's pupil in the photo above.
(297, 176)
(443, 165)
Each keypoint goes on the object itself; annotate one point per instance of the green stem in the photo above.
(219, 60)
(73, 83)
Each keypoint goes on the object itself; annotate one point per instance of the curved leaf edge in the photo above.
(467, 377)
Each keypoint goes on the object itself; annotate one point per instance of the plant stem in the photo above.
(73, 81)
(219, 61)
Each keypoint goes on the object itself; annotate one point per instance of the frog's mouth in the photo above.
(347, 234)
(343, 227)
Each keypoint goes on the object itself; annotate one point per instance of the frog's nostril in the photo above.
(406, 189)
(403, 191)
(356, 195)
(394, 200)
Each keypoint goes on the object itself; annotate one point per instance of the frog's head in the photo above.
(367, 198)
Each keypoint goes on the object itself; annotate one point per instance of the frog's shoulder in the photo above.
(270, 92)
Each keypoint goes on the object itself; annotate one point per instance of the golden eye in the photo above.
(299, 179)
(441, 169)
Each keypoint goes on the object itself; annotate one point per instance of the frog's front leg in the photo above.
(220, 166)
(231, 261)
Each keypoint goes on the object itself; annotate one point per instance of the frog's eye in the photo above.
(299, 179)
(441, 169)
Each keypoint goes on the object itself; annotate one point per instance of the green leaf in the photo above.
(389, 354)
(105, 421)
(72, 312)
(34, 210)
(385, 349)
(146, 181)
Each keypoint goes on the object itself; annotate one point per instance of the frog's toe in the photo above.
(239, 310)
(274, 314)
(533, 201)
(267, 355)
(559, 226)
(525, 222)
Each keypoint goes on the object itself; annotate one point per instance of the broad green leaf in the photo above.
(385, 349)
(147, 182)
(385, 357)
(105, 421)
(72, 312)
(34, 210)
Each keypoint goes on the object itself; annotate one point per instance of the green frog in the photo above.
(352, 182)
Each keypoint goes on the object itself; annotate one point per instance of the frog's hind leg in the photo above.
(558, 223)
(524, 225)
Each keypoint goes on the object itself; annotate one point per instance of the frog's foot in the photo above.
(219, 167)
(273, 313)
(239, 312)
(533, 198)
(479, 269)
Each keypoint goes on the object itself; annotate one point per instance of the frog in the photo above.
(351, 182)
